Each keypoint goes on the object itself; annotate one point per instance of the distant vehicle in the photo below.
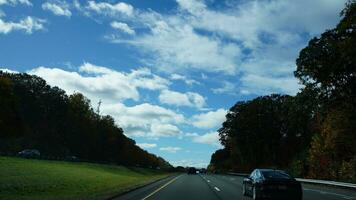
(192, 170)
(30, 153)
(71, 158)
(202, 171)
(269, 183)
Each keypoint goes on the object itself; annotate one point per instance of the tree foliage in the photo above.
(327, 64)
(312, 134)
(37, 116)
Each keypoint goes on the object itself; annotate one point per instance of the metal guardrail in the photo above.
(238, 174)
(330, 183)
(312, 181)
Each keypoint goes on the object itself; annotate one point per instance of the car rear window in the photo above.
(275, 174)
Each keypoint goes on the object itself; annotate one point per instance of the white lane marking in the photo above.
(160, 188)
(208, 181)
(217, 189)
(331, 193)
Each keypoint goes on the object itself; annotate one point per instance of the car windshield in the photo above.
(275, 175)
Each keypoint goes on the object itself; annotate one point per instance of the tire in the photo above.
(244, 190)
(255, 195)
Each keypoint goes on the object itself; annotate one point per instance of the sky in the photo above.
(167, 70)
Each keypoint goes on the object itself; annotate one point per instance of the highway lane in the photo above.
(219, 187)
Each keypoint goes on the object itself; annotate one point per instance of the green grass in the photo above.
(28, 179)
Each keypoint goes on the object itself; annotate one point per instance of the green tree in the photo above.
(328, 63)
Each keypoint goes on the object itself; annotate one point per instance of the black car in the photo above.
(192, 170)
(271, 184)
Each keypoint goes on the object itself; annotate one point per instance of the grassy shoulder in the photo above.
(40, 179)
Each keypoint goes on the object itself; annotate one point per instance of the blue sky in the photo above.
(166, 70)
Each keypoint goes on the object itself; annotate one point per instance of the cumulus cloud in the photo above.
(266, 85)
(199, 163)
(108, 9)
(170, 149)
(59, 8)
(147, 145)
(227, 88)
(112, 87)
(243, 38)
(159, 130)
(123, 27)
(211, 138)
(8, 70)
(211, 119)
(15, 2)
(184, 79)
(102, 82)
(176, 46)
(28, 25)
(189, 99)
(154, 121)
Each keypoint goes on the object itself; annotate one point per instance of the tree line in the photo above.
(311, 134)
(34, 115)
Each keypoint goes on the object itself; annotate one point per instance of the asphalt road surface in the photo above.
(219, 187)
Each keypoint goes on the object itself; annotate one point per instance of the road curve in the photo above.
(219, 187)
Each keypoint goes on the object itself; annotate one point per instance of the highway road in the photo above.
(219, 187)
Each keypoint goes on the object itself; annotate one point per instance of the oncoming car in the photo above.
(271, 184)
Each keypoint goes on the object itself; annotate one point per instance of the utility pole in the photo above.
(98, 108)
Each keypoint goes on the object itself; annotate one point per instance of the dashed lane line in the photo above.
(217, 189)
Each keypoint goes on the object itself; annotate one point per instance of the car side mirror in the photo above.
(247, 179)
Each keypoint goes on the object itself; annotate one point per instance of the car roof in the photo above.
(268, 170)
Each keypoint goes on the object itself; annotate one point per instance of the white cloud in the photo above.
(176, 46)
(245, 38)
(170, 149)
(147, 145)
(189, 99)
(8, 71)
(184, 79)
(123, 27)
(28, 24)
(274, 32)
(267, 85)
(108, 9)
(159, 130)
(211, 119)
(209, 138)
(112, 87)
(101, 82)
(15, 2)
(59, 9)
(245, 21)
(190, 163)
(145, 120)
(94, 69)
(227, 88)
